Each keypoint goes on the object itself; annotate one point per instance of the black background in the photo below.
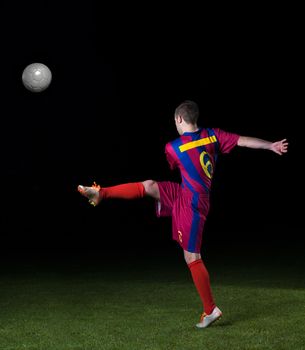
(118, 75)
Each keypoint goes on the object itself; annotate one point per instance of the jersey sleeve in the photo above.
(169, 153)
(227, 140)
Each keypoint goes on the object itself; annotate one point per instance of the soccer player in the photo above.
(194, 153)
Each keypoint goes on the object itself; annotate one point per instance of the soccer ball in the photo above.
(36, 77)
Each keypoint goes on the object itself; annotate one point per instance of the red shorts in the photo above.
(188, 211)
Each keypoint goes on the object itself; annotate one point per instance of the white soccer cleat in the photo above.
(92, 193)
(207, 320)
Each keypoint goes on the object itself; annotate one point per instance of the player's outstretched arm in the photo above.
(278, 147)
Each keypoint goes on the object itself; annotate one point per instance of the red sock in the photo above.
(202, 282)
(125, 191)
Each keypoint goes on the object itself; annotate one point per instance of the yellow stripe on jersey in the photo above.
(201, 142)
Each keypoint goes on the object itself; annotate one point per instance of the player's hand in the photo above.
(280, 147)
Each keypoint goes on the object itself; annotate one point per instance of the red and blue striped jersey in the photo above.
(195, 154)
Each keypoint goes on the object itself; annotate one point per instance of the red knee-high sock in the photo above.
(125, 191)
(202, 282)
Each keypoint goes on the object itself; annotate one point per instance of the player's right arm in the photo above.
(278, 147)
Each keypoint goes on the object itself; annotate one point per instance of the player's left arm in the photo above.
(278, 147)
(169, 156)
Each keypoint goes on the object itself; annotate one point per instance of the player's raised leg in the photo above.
(201, 280)
(133, 190)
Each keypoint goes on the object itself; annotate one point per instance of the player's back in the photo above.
(195, 154)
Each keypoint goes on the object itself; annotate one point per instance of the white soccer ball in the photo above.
(36, 77)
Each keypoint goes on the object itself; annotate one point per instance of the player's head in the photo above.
(186, 116)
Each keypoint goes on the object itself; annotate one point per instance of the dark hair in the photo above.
(189, 111)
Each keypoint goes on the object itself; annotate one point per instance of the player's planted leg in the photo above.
(201, 280)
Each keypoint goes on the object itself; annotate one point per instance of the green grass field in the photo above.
(151, 304)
